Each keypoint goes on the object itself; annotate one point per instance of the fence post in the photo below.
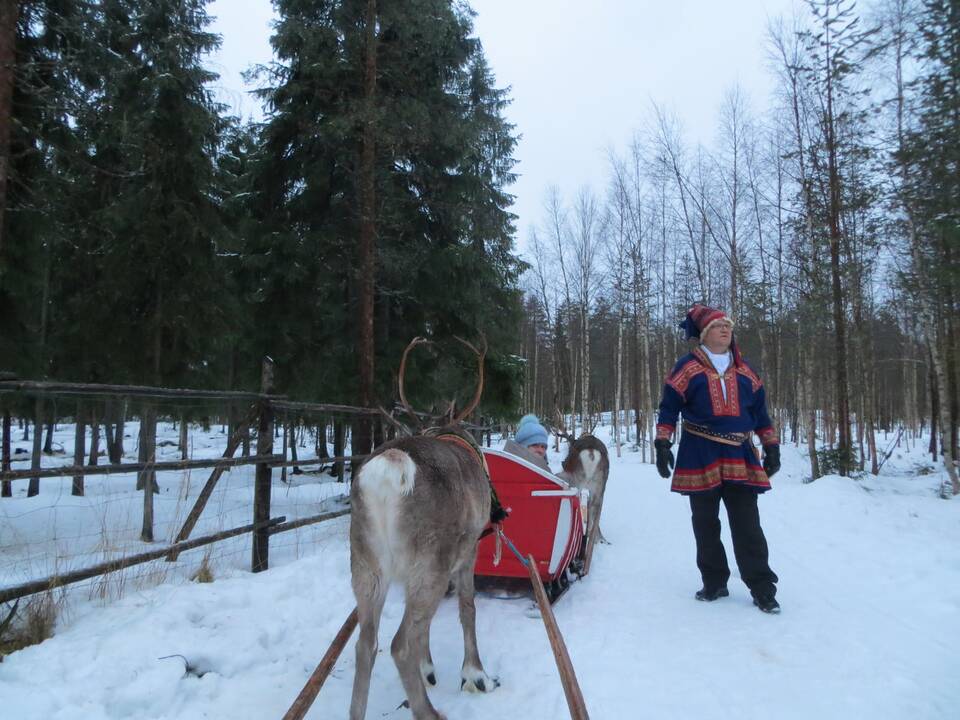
(34, 487)
(286, 442)
(148, 450)
(79, 438)
(261, 490)
(7, 490)
(339, 447)
(95, 419)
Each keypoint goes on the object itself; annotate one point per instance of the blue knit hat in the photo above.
(530, 432)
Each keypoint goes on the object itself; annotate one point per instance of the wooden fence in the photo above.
(246, 410)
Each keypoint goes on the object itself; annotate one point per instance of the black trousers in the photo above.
(749, 543)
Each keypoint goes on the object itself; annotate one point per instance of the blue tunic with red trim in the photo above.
(693, 389)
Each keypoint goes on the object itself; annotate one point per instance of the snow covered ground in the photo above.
(870, 589)
(58, 532)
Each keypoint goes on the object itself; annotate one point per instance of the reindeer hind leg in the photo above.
(370, 589)
(410, 646)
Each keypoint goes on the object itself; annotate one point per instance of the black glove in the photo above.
(771, 459)
(664, 456)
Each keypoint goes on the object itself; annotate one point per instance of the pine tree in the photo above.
(44, 92)
(443, 233)
(153, 131)
(9, 14)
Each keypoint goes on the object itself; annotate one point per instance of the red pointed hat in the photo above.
(700, 318)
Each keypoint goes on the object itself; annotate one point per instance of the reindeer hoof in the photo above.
(477, 681)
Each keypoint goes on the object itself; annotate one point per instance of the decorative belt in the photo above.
(725, 438)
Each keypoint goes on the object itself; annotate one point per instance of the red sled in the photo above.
(546, 519)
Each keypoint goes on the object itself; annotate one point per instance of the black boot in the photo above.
(711, 594)
(767, 603)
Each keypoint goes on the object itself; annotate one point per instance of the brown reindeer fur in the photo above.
(587, 466)
(419, 505)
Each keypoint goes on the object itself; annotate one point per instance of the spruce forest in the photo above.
(150, 237)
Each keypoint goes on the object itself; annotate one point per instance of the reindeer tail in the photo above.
(389, 474)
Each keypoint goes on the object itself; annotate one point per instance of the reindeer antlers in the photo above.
(403, 369)
(481, 354)
(560, 429)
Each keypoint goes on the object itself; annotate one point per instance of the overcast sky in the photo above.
(582, 74)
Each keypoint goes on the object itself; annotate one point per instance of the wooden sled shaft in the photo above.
(571, 688)
(309, 693)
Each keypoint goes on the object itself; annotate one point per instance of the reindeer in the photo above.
(419, 505)
(586, 467)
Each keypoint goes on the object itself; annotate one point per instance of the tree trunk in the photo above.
(9, 14)
(362, 435)
(6, 488)
(322, 441)
(48, 438)
(535, 371)
(585, 366)
(109, 429)
(184, 439)
(146, 479)
(116, 447)
(283, 451)
(94, 439)
(293, 448)
(945, 445)
(811, 418)
(148, 449)
(339, 443)
(639, 367)
(950, 368)
(619, 391)
(934, 410)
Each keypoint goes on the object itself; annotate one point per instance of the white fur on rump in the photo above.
(389, 473)
(384, 480)
(589, 459)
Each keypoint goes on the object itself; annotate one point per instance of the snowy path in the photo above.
(870, 588)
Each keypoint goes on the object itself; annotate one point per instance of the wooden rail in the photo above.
(303, 522)
(54, 581)
(28, 387)
(115, 469)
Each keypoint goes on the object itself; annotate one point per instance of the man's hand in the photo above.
(771, 459)
(664, 456)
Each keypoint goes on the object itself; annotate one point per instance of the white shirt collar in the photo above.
(721, 361)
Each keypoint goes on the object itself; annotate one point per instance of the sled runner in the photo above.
(547, 519)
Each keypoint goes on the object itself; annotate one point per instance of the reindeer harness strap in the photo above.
(497, 513)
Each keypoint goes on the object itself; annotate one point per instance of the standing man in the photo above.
(722, 402)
